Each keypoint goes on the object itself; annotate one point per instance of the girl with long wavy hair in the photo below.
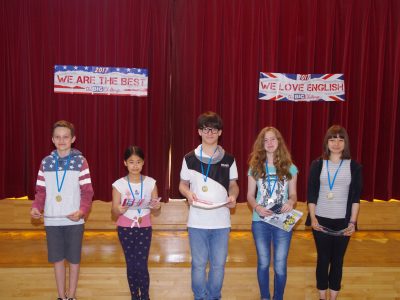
(272, 179)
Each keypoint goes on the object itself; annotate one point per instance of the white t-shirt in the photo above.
(222, 170)
(121, 185)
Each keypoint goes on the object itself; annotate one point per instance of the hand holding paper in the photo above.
(155, 203)
(208, 204)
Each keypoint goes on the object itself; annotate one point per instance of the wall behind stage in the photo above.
(201, 55)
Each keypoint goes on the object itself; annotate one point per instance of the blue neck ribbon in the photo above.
(329, 175)
(56, 157)
(270, 192)
(141, 190)
(208, 164)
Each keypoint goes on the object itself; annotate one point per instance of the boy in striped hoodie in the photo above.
(63, 198)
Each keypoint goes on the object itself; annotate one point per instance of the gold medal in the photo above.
(58, 198)
(329, 196)
(204, 188)
(140, 220)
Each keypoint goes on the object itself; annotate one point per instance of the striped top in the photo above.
(76, 192)
(334, 208)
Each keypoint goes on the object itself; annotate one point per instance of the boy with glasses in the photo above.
(208, 181)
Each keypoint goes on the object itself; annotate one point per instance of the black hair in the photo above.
(133, 150)
(209, 119)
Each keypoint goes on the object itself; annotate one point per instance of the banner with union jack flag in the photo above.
(301, 87)
(94, 80)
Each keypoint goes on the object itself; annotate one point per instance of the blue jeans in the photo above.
(208, 245)
(264, 234)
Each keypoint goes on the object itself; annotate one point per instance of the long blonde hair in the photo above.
(258, 157)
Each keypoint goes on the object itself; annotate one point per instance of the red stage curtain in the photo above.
(36, 35)
(201, 55)
(221, 46)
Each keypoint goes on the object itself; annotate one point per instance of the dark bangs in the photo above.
(336, 136)
(336, 131)
(209, 119)
(133, 150)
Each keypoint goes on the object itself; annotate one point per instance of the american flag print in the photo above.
(96, 80)
(77, 185)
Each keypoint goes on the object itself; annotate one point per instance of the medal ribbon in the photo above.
(270, 192)
(59, 187)
(141, 190)
(329, 175)
(208, 164)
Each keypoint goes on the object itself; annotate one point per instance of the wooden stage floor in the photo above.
(372, 267)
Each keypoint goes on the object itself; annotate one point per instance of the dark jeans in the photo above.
(331, 250)
(136, 245)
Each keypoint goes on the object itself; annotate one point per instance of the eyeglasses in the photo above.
(206, 130)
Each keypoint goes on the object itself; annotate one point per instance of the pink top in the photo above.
(126, 222)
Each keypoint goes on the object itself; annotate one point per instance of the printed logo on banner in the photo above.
(94, 80)
(301, 87)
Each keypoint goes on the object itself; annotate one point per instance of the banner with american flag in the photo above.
(301, 87)
(95, 80)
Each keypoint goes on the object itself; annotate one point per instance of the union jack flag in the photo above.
(301, 87)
